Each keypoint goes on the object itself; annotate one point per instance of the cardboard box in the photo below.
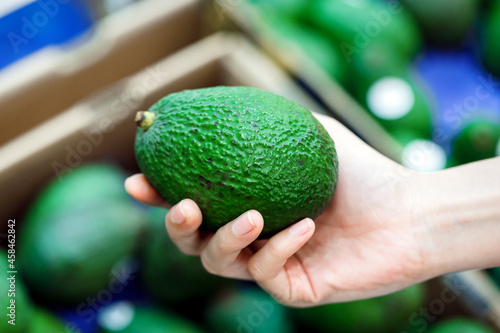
(103, 127)
(42, 85)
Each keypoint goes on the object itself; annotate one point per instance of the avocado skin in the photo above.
(476, 141)
(232, 149)
(155, 319)
(490, 39)
(247, 309)
(75, 233)
(383, 314)
(170, 275)
(22, 302)
(462, 325)
(43, 321)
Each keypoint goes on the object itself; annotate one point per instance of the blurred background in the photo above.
(417, 80)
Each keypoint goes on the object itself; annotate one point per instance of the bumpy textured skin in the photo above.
(232, 149)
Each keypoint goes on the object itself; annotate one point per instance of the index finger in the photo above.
(138, 187)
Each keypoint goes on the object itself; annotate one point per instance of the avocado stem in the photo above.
(144, 119)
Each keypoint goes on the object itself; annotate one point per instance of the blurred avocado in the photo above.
(285, 8)
(444, 23)
(356, 24)
(45, 322)
(384, 314)
(495, 275)
(315, 44)
(14, 299)
(124, 317)
(480, 139)
(170, 275)
(247, 309)
(373, 62)
(490, 51)
(460, 325)
(77, 230)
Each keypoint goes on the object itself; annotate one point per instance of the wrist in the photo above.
(458, 211)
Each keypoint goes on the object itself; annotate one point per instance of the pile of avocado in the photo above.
(372, 47)
(78, 248)
(83, 228)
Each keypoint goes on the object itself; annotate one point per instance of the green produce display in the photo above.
(378, 59)
(170, 275)
(356, 24)
(75, 232)
(388, 313)
(124, 317)
(460, 325)
(248, 310)
(45, 322)
(232, 149)
(490, 52)
(444, 22)
(478, 140)
(14, 301)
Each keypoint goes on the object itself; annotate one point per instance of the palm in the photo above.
(362, 245)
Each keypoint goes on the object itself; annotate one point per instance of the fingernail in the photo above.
(301, 228)
(178, 215)
(242, 225)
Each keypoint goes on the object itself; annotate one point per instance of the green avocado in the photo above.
(247, 310)
(75, 233)
(495, 275)
(479, 140)
(490, 50)
(124, 317)
(285, 8)
(316, 45)
(232, 149)
(170, 275)
(388, 313)
(357, 24)
(14, 301)
(397, 103)
(444, 23)
(45, 322)
(373, 62)
(460, 325)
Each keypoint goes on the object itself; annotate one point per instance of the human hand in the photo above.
(365, 244)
